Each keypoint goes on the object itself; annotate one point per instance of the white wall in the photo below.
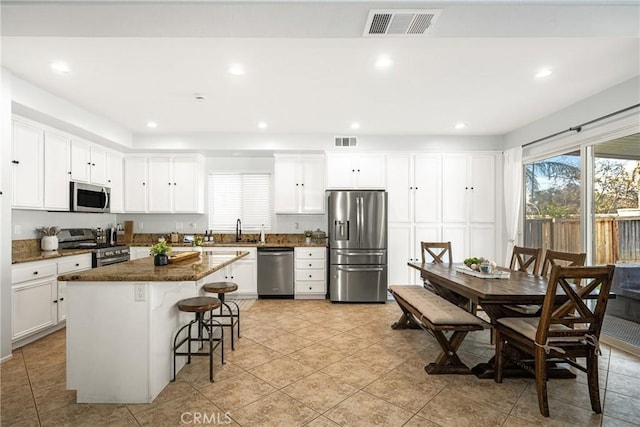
(265, 144)
(5, 214)
(613, 99)
(26, 221)
(32, 102)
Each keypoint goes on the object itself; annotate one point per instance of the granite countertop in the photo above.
(143, 270)
(245, 244)
(38, 255)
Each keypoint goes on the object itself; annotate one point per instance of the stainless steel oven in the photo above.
(102, 253)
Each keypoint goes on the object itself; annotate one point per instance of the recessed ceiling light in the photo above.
(59, 67)
(460, 125)
(199, 97)
(152, 125)
(383, 62)
(542, 73)
(355, 125)
(262, 125)
(236, 69)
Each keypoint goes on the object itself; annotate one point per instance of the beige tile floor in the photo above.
(320, 364)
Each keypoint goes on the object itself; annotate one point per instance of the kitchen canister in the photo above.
(49, 243)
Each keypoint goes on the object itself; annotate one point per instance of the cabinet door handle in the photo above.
(416, 188)
(309, 265)
(55, 301)
(310, 276)
(77, 264)
(93, 164)
(174, 183)
(410, 188)
(89, 163)
(472, 188)
(302, 185)
(169, 183)
(358, 170)
(35, 272)
(15, 162)
(61, 299)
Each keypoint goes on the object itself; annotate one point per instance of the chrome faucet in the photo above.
(238, 230)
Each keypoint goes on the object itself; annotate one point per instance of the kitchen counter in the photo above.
(38, 255)
(121, 321)
(143, 270)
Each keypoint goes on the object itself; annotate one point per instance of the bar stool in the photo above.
(199, 306)
(222, 288)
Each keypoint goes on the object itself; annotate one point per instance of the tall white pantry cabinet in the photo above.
(441, 197)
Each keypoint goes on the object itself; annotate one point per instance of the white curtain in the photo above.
(512, 196)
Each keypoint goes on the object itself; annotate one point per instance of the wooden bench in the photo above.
(436, 316)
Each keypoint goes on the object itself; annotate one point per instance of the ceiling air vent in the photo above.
(346, 141)
(400, 22)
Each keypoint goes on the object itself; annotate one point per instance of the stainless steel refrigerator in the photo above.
(357, 245)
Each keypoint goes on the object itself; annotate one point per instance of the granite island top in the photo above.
(143, 269)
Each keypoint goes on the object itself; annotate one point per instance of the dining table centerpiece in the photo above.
(160, 252)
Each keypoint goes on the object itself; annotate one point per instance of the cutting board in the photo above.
(182, 256)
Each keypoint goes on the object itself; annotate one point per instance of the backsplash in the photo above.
(143, 239)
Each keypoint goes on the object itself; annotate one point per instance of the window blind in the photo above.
(244, 196)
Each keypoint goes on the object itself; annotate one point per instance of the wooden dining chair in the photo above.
(525, 259)
(551, 258)
(565, 259)
(429, 248)
(562, 333)
(435, 252)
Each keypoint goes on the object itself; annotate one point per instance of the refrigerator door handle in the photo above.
(359, 253)
(360, 202)
(360, 269)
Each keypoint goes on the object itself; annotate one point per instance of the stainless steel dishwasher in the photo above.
(275, 272)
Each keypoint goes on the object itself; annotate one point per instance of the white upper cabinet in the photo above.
(56, 171)
(135, 188)
(299, 184)
(88, 162)
(160, 186)
(164, 184)
(187, 184)
(115, 180)
(28, 166)
(414, 187)
(469, 188)
(356, 171)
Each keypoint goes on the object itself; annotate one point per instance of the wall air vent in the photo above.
(346, 141)
(400, 22)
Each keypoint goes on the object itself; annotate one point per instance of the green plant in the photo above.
(49, 231)
(160, 248)
(308, 233)
(197, 241)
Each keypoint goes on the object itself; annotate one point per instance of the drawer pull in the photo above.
(310, 265)
(35, 272)
(310, 276)
(77, 264)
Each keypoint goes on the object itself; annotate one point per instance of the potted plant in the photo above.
(49, 240)
(160, 253)
(197, 243)
(307, 235)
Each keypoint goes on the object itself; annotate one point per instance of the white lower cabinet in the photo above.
(137, 252)
(310, 273)
(241, 272)
(38, 299)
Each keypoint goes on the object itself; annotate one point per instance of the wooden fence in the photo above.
(615, 238)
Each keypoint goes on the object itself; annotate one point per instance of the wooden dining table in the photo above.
(494, 295)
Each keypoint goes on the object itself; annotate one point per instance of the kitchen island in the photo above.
(121, 321)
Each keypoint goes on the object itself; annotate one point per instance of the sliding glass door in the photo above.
(553, 198)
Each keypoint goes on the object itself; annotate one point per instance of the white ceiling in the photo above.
(309, 70)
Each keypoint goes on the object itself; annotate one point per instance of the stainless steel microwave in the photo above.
(89, 198)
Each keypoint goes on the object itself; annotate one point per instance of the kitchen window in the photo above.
(239, 195)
